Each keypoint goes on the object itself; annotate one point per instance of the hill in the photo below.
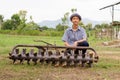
(53, 23)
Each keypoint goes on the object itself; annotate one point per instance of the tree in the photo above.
(73, 10)
(97, 26)
(44, 28)
(1, 21)
(22, 14)
(7, 25)
(65, 20)
(31, 26)
(104, 25)
(1, 18)
(60, 27)
(89, 26)
(15, 21)
(82, 24)
(18, 21)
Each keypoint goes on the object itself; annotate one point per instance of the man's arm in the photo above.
(65, 38)
(66, 44)
(75, 43)
(79, 41)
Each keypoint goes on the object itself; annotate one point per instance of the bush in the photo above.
(33, 32)
(5, 31)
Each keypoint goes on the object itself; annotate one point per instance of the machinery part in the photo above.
(55, 55)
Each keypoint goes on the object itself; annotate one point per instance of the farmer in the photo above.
(75, 35)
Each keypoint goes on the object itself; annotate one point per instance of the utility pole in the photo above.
(112, 5)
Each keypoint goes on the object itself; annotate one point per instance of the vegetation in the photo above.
(18, 25)
(108, 67)
(17, 30)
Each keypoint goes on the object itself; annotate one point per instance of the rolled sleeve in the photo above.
(65, 37)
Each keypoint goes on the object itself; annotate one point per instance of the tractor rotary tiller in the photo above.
(54, 55)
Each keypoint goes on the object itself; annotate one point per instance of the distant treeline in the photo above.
(19, 25)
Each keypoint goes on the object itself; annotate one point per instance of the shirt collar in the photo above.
(79, 28)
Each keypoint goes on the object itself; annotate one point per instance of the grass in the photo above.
(108, 67)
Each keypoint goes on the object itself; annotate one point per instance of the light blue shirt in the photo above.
(71, 36)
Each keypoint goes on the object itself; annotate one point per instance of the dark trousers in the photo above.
(84, 44)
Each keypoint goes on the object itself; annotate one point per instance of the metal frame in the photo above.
(58, 47)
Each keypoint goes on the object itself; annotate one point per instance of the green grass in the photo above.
(108, 67)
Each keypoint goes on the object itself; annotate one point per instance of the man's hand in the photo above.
(79, 41)
(75, 43)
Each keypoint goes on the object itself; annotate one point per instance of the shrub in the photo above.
(33, 32)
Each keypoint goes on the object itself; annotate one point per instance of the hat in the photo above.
(75, 15)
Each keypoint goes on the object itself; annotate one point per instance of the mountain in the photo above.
(52, 24)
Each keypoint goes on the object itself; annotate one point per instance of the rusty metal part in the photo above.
(56, 59)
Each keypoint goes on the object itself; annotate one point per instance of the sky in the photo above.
(42, 10)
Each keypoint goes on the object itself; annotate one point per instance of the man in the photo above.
(76, 35)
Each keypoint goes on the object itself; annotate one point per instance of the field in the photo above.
(108, 67)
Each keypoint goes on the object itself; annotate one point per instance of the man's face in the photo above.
(75, 20)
